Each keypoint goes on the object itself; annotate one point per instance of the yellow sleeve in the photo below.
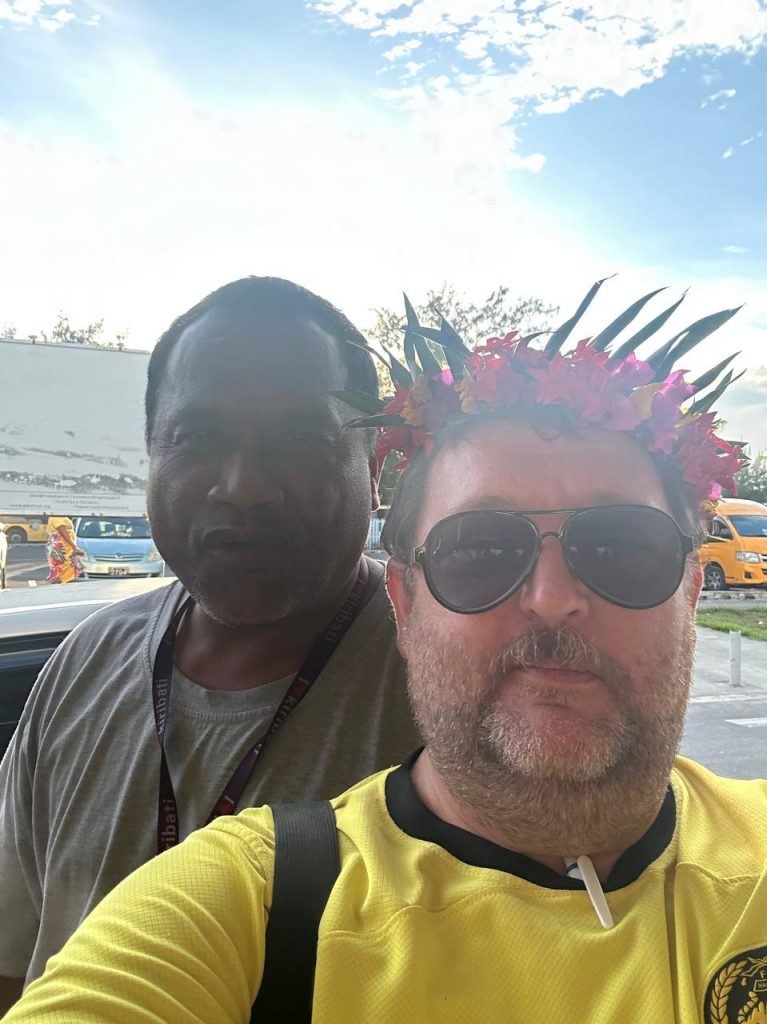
(180, 941)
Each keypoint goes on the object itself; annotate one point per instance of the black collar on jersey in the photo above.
(410, 814)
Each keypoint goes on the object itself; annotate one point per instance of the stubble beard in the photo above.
(251, 610)
(515, 778)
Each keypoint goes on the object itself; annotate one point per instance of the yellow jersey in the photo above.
(428, 923)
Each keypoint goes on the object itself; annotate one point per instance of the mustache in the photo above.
(261, 524)
(564, 646)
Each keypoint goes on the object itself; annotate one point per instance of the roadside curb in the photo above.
(733, 595)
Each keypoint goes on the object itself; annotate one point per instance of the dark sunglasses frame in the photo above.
(420, 554)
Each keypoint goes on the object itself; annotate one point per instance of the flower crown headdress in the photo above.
(593, 384)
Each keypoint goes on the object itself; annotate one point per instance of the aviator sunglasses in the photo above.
(631, 555)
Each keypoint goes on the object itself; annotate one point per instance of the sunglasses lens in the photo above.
(633, 557)
(476, 559)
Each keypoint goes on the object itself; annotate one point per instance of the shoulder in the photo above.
(722, 822)
(181, 938)
(115, 641)
(132, 616)
(245, 841)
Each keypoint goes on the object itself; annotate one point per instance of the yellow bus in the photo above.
(20, 529)
(736, 552)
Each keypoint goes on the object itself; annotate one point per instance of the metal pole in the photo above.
(735, 636)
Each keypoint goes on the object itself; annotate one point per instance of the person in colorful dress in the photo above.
(64, 556)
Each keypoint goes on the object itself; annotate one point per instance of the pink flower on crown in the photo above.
(613, 395)
(632, 373)
(708, 462)
(492, 375)
(555, 382)
(665, 414)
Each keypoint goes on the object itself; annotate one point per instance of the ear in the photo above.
(695, 580)
(401, 599)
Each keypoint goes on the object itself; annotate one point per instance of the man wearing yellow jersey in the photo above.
(546, 857)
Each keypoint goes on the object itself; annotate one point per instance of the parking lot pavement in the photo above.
(712, 663)
(726, 726)
(26, 565)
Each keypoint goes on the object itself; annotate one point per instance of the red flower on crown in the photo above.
(591, 385)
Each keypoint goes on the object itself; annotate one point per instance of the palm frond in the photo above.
(705, 403)
(561, 334)
(710, 375)
(620, 323)
(390, 419)
(646, 332)
(399, 373)
(449, 338)
(686, 340)
(360, 400)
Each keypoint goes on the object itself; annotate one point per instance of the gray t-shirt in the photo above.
(79, 782)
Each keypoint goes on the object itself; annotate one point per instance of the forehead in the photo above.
(226, 358)
(511, 466)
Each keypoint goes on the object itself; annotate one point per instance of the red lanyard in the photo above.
(304, 679)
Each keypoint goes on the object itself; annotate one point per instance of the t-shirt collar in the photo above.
(413, 817)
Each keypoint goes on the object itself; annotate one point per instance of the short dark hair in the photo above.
(266, 295)
(398, 535)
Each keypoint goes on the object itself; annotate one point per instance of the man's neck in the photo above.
(436, 795)
(221, 657)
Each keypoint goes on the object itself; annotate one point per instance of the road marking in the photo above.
(727, 698)
(750, 723)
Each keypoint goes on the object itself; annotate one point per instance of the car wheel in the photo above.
(16, 536)
(713, 577)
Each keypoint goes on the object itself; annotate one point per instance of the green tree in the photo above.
(64, 333)
(475, 321)
(751, 481)
(7, 331)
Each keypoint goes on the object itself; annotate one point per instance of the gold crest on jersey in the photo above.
(737, 993)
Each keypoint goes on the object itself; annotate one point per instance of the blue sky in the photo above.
(149, 152)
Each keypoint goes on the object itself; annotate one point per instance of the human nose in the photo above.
(245, 482)
(552, 594)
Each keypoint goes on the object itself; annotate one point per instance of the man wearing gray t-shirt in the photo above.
(269, 672)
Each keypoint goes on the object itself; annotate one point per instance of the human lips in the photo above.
(550, 688)
(223, 540)
(548, 673)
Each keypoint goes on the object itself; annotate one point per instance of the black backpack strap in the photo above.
(306, 865)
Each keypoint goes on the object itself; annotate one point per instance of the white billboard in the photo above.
(71, 429)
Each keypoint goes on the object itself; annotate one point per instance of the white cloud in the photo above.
(534, 163)
(549, 55)
(402, 49)
(174, 198)
(723, 94)
(41, 13)
(55, 22)
(744, 142)
(735, 250)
